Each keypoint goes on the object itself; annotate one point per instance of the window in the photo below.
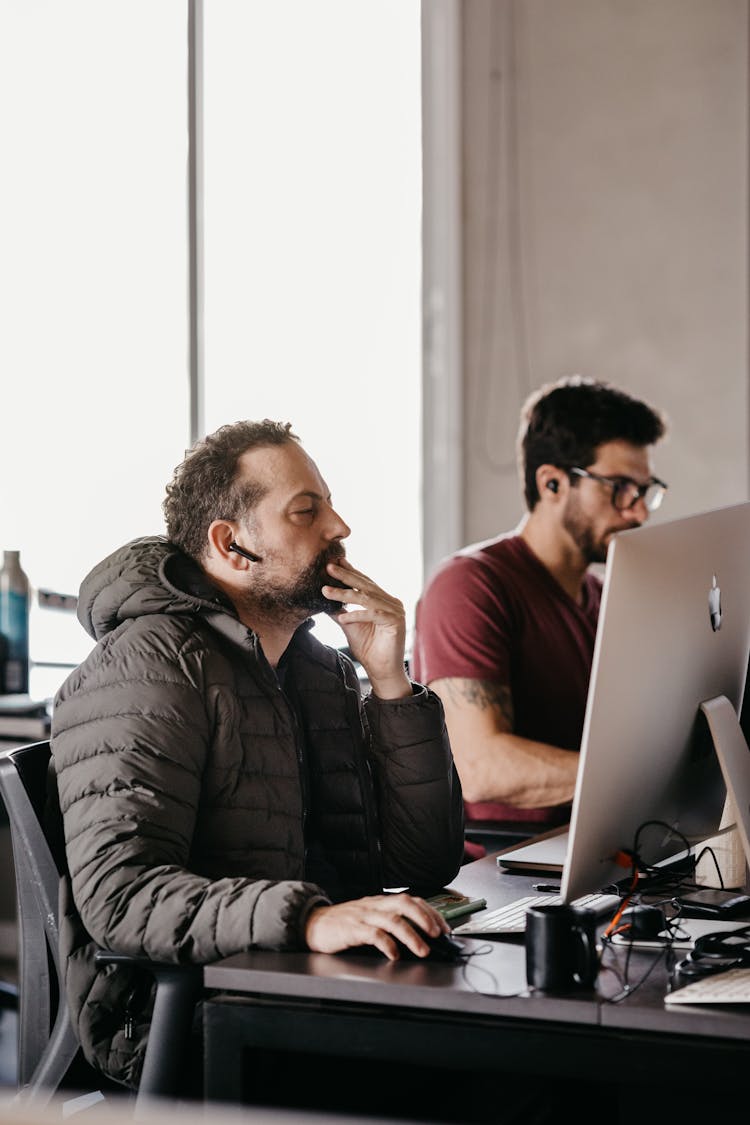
(92, 286)
(313, 252)
(312, 281)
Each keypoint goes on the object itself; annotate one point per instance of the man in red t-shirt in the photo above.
(505, 629)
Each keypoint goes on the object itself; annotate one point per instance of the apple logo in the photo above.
(714, 604)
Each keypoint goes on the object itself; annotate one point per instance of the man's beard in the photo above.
(580, 531)
(304, 594)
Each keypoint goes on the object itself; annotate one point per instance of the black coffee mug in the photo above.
(560, 947)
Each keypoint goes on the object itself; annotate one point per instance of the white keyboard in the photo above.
(730, 987)
(511, 918)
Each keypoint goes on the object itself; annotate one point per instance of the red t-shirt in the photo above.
(493, 611)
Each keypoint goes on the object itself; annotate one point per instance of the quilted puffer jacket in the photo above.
(206, 810)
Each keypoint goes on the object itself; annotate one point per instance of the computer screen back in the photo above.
(662, 647)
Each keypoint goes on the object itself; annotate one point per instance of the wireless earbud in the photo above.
(245, 554)
(553, 485)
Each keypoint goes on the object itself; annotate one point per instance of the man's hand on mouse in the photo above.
(378, 921)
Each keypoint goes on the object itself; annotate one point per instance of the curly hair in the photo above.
(204, 486)
(564, 423)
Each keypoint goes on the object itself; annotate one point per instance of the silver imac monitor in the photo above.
(674, 631)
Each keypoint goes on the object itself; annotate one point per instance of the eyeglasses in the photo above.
(626, 492)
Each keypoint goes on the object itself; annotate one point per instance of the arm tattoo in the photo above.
(483, 694)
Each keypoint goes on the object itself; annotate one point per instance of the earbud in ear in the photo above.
(553, 485)
(245, 554)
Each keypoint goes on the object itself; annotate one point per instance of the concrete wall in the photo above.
(604, 201)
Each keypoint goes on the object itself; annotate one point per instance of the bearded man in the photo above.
(505, 628)
(223, 784)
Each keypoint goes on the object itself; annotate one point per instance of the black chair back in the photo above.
(47, 1043)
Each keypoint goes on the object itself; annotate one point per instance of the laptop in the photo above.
(542, 855)
(674, 632)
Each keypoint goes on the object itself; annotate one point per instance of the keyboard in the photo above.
(730, 987)
(511, 918)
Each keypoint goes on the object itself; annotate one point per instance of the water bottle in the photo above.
(14, 625)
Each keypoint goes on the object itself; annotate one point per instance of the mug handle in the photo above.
(588, 963)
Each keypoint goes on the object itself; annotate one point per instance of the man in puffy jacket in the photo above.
(223, 784)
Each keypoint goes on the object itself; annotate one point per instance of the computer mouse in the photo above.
(643, 922)
(442, 948)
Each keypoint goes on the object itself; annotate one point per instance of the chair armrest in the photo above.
(178, 990)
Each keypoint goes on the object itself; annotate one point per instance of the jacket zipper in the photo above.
(291, 714)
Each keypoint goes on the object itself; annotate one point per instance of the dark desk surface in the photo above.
(494, 979)
(492, 983)
(644, 1007)
(398, 1010)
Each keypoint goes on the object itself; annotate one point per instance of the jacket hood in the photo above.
(147, 575)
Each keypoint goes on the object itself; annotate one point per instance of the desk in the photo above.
(477, 1018)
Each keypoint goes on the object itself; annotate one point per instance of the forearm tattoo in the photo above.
(484, 694)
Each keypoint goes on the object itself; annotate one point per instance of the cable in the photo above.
(611, 926)
(664, 951)
(658, 879)
(712, 853)
(715, 953)
(653, 875)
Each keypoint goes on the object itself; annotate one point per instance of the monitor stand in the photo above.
(734, 759)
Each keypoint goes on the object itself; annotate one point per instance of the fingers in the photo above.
(380, 921)
(361, 591)
(374, 624)
(359, 583)
(416, 912)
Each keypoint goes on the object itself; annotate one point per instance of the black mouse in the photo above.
(442, 948)
(643, 922)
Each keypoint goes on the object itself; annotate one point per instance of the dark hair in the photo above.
(204, 486)
(564, 423)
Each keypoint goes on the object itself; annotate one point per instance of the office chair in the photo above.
(496, 835)
(47, 1043)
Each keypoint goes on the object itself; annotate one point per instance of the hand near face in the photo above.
(377, 921)
(375, 630)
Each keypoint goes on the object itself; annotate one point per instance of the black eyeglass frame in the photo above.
(620, 485)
